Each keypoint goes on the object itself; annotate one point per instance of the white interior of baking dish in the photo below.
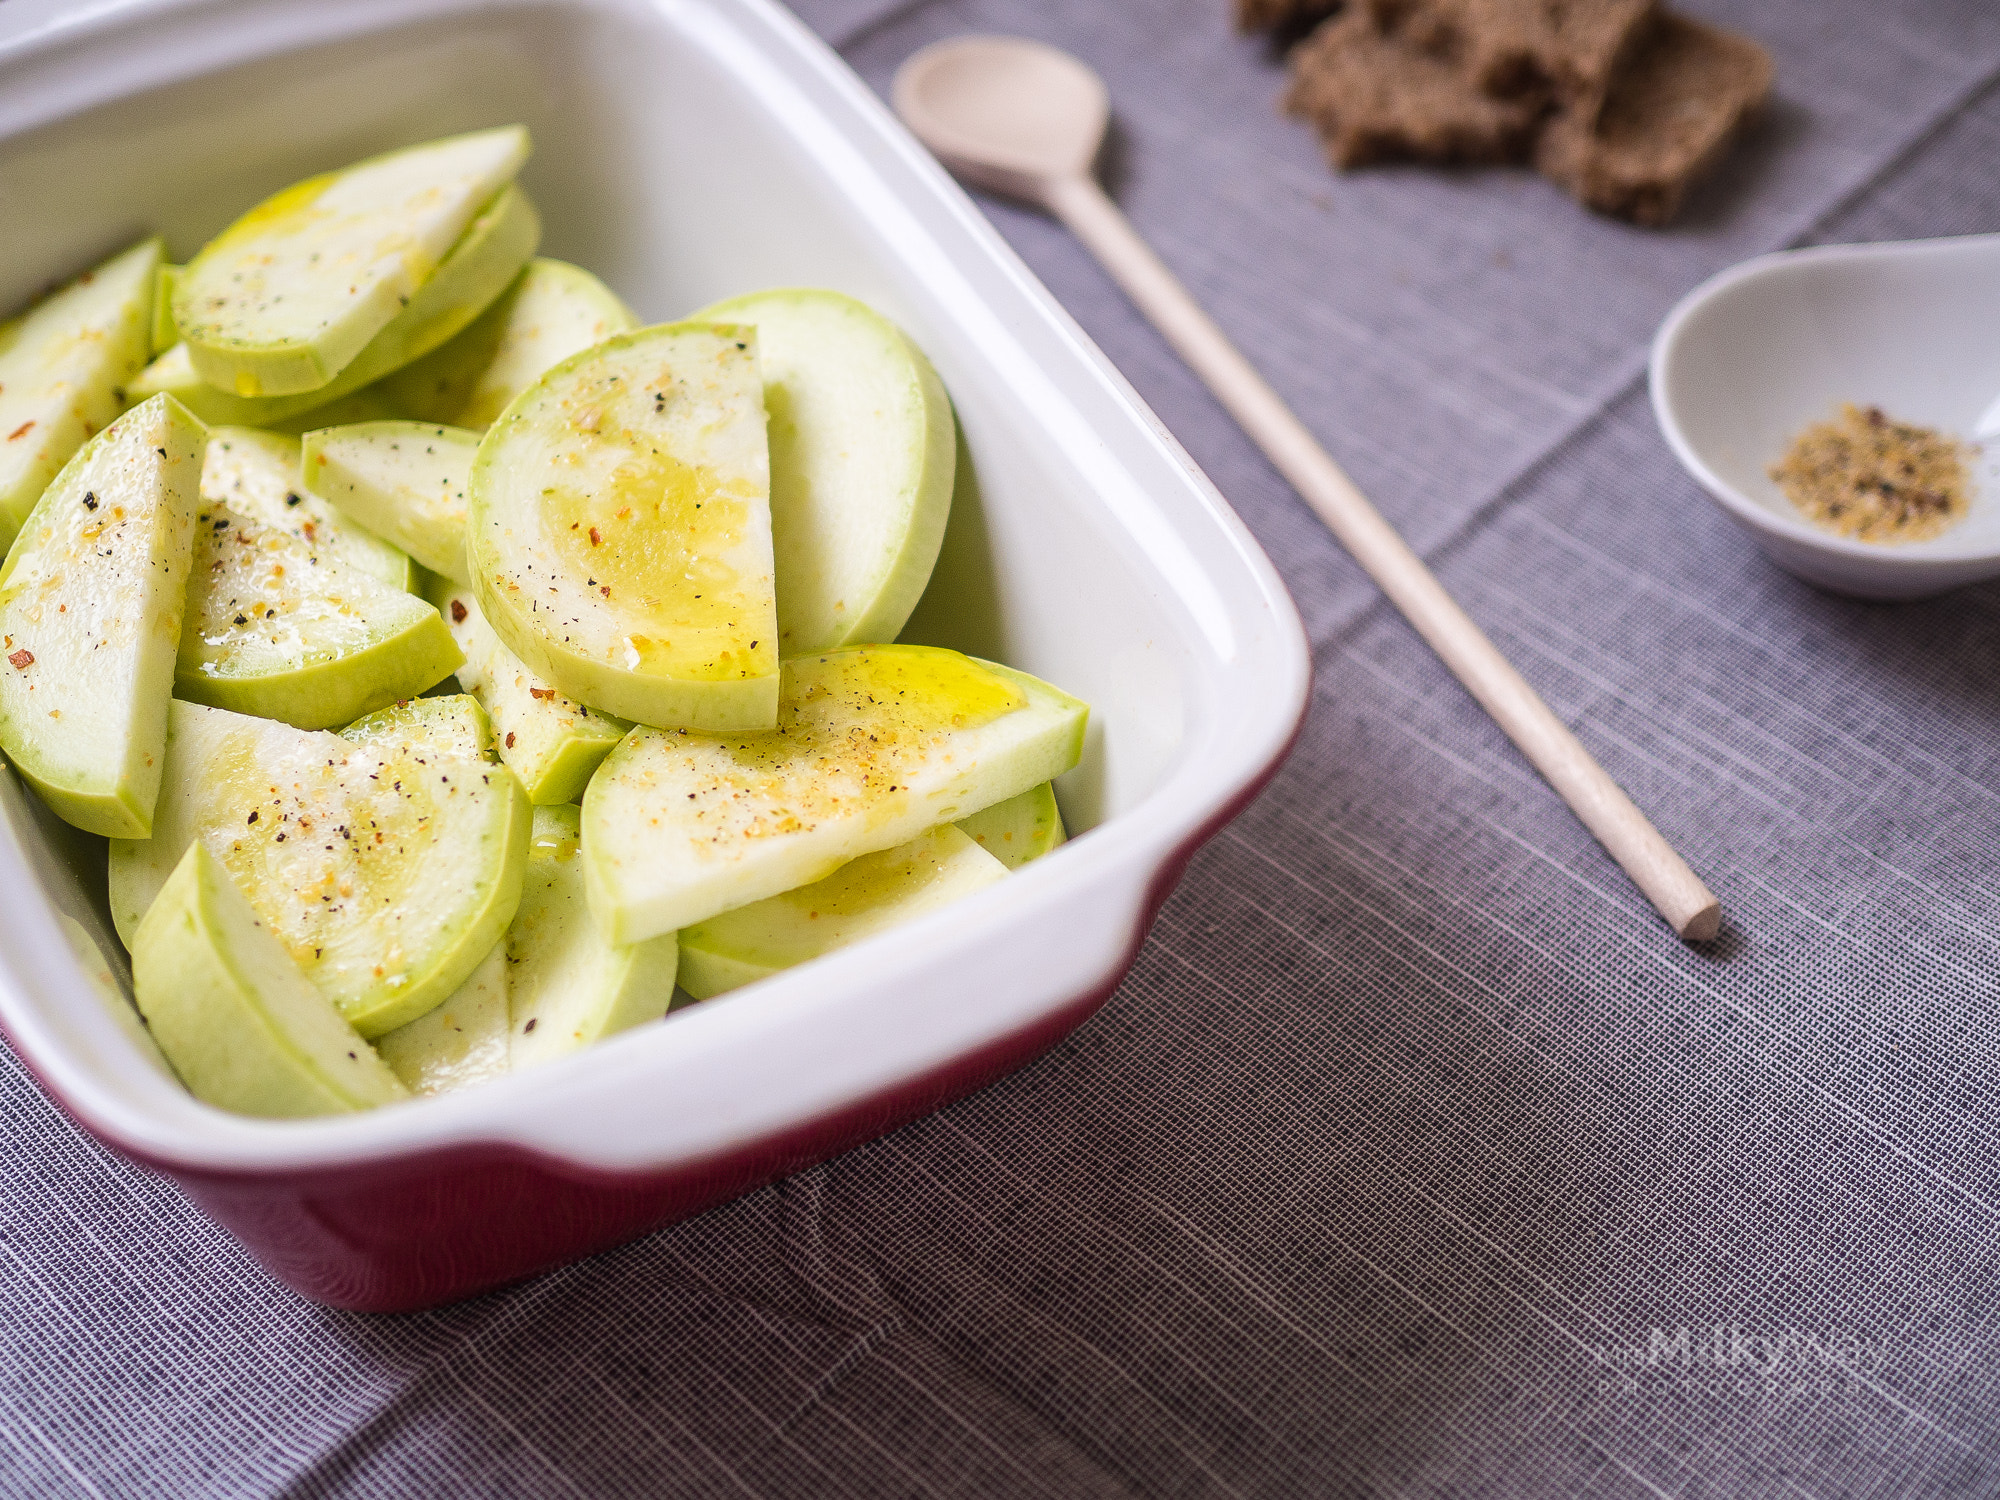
(685, 150)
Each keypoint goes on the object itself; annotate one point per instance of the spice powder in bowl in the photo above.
(1868, 476)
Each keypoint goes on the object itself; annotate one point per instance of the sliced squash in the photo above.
(863, 456)
(486, 259)
(552, 742)
(462, 1042)
(276, 629)
(567, 987)
(451, 722)
(402, 480)
(91, 602)
(388, 870)
(63, 367)
(164, 335)
(863, 897)
(552, 310)
(620, 530)
(256, 474)
(874, 745)
(244, 1029)
(1019, 830)
(285, 298)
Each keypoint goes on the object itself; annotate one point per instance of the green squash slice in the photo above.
(620, 530)
(863, 457)
(256, 474)
(244, 1029)
(389, 871)
(462, 1042)
(874, 745)
(552, 742)
(285, 298)
(487, 257)
(402, 480)
(63, 367)
(863, 897)
(91, 602)
(275, 628)
(452, 723)
(567, 987)
(164, 335)
(1019, 830)
(552, 310)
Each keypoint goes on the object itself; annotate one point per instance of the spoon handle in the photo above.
(1678, 893)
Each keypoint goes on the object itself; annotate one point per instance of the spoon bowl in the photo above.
(1006, 114)
(1761, 351)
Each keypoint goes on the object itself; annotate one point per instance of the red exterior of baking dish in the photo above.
(433, 1227)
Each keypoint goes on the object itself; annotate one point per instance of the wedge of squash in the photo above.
(567, 987)
(164, 335)
(862, 898)
(452, 723)
(276, 629)
(620, 530)
(874, 745)
(552, 310)
(1020, 830)
(462, 1042)
(285, 298)
(389, 871)
(256, 474)
(552, 742)
(173, 375)
(64, 365)
(405, 481)
(91, 602)
(863, 457)
(486, 259)
(244, 1029)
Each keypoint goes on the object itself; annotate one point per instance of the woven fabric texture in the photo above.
(1415, 1157)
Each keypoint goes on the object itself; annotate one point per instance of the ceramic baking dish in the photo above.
(685, 150)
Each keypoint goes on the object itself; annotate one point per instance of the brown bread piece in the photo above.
(1565, 50)
(1668, 118)
(1279, 15)
(1388, 96)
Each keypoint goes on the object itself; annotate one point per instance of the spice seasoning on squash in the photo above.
(1868, 476)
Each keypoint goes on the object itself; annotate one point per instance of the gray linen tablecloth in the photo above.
(1414, 1147)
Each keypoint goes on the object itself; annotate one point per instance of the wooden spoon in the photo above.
(1027, 121)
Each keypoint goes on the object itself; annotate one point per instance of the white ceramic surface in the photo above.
(687, 150)
(1758, 352)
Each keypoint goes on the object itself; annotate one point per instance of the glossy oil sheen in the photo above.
(874, 745)
(620, 529)
(652, 542)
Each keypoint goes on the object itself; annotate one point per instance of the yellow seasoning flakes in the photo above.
(1868, 476)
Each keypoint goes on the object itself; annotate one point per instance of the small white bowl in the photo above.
(1762, 350)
